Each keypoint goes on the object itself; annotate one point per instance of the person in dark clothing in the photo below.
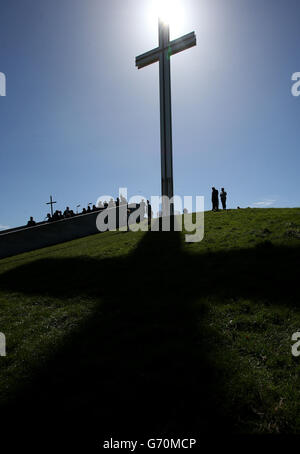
(67, 213)
(149, 213)
(31, 222)
(55, 216)
(215, 199)
(223, 197)
(143, 209)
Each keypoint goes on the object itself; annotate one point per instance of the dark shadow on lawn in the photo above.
(140, 366)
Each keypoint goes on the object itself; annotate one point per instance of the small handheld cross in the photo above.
(51, 203)
(162, 53)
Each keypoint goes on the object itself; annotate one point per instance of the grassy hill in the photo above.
(142, 333)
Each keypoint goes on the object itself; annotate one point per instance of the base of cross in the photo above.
(167, 223)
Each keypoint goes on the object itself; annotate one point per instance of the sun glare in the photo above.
(169, 11)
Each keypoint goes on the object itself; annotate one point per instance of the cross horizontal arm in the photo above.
(183, 43)
(148, 58)
(175, 46)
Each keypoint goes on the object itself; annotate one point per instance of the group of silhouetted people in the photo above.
(215, 199)
(68, 213)
(145, 208)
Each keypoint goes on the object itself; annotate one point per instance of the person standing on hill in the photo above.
(215, 199)
(223, 197)
(149, 212)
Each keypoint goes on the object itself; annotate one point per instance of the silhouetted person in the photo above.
(143, 209)
(111, 203)
(149, 212)
(123, 200)
(88, 209)
(84, 211)
(223, 197)
(31, 222)
(57, 215)
(67, 212)
(215, 199)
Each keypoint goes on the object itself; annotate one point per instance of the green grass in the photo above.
(186, 335)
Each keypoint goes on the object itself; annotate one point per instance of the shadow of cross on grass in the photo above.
(140, 365)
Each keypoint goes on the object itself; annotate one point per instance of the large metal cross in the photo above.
(162, 54)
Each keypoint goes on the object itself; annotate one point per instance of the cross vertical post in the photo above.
(162, 54)
(165, 116)
(51, 203)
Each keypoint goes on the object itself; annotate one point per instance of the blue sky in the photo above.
(79, 120)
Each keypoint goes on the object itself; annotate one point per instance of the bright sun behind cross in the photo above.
(169, 11)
